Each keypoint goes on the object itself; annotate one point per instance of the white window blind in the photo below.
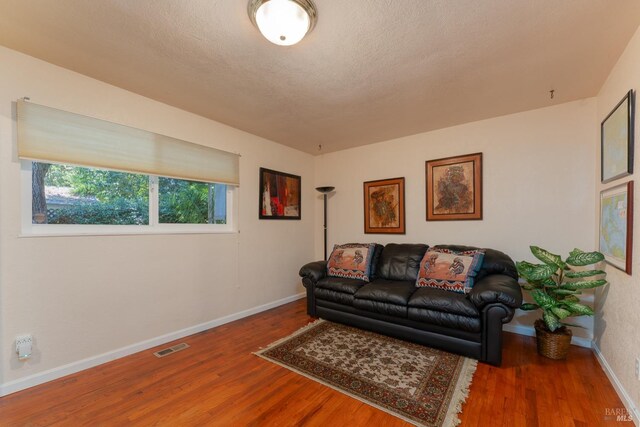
(52, 135)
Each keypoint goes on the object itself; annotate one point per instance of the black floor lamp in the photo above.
(325, 191)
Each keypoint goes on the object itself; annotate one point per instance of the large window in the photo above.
(73, 195)
(73, 199)
(124, 180)
(190, 202)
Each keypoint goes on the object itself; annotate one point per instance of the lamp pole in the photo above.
(325, 191)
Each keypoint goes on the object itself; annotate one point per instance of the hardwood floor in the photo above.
(217, 381)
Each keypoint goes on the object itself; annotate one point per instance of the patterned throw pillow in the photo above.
(449, 270)
(351, 261)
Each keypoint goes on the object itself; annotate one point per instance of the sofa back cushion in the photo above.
(375, 261)
(351, 261)
(494, 262)
(400, 261)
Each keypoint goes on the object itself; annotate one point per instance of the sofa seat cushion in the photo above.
(448, 320)
(389, 309)
(333, 296)
(340, 284)
(387, 291)
(443, 301)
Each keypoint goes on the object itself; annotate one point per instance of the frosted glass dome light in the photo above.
(283, 22)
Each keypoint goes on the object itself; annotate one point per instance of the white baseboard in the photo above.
(530, 331)
(617, 385)
(80, 365)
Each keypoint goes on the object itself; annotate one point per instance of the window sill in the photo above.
(62, 233)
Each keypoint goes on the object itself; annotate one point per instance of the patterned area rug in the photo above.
(421, 385)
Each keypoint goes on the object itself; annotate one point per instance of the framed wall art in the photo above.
(279, 195)
(384, 206)
(454, 188)
(616, 225)
(616, 140)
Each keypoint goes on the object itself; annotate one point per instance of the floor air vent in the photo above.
(171, 350)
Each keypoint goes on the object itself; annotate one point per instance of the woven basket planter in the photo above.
(554, 345)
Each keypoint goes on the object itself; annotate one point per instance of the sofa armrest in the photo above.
(496, 288)
(314, 271)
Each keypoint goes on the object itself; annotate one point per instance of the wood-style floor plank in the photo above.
(219, 382)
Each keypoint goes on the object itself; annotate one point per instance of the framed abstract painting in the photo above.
(384, 206)
(616, 225)
(279, 195)
(616, 140)
(454, 188)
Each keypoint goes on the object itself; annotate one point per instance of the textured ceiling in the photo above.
(371, 70)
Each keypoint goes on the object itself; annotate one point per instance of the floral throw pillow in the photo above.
(450, 270)
(351, 261)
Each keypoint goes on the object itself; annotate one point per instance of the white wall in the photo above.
(84, 296)
(618, 316)
(538, 182)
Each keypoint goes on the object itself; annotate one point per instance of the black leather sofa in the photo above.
(467, 324)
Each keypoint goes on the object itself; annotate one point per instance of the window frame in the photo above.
(154, 227)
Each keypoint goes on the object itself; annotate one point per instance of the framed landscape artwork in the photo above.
(616, 225)
(454, 188)
(279, 195)
(616, 139)
(384, 206)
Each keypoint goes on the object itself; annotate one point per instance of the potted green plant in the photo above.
(555, 286)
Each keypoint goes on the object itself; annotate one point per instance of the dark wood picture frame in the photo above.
(384, 206)
(454, 188)
(623, 111)
(626, 263)
(280, 195)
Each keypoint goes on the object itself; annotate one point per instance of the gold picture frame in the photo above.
(384, 206)
(616, 226)
(454, 188)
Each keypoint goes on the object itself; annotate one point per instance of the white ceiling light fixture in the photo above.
(283, 22)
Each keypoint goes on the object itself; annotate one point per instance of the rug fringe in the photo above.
(461, 393)
(305, 328)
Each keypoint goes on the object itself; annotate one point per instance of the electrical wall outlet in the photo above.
(24, 345)
(638, 368)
